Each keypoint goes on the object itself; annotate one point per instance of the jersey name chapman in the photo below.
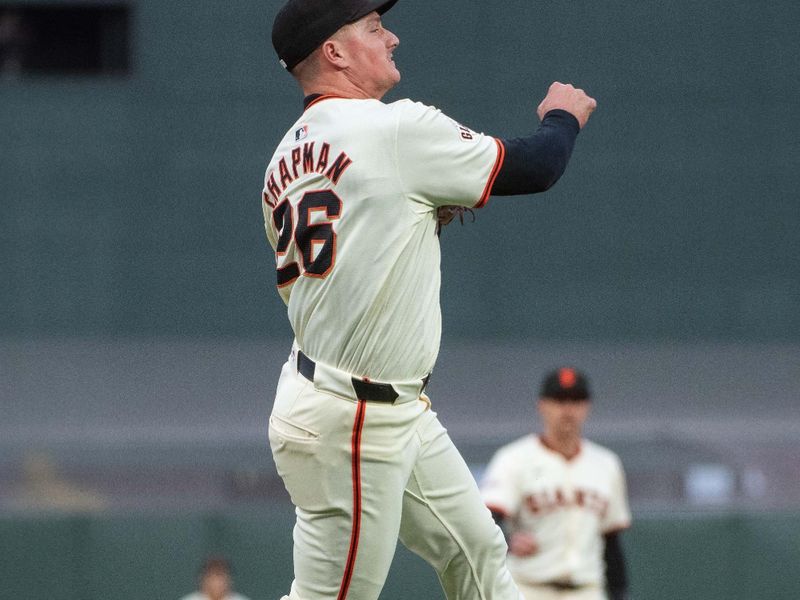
(304, 159)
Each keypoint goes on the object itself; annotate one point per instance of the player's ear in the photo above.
(331, 52)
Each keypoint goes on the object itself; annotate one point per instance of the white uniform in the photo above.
(567, 505)
(372, 176)
(350, 201)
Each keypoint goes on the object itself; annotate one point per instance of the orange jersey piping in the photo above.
(498, 164)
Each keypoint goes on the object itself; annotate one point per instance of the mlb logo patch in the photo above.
(301, 133)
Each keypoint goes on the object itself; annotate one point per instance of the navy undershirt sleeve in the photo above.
(534, 163)
(616, 572)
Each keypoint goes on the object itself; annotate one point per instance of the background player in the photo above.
(216, 582)
(350, 204)
(561, 500)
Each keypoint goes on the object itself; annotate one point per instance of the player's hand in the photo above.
(566, 97)
(522, 544)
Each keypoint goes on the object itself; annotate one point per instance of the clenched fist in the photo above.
(569, 98)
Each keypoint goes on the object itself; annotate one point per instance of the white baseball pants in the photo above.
(361, 474)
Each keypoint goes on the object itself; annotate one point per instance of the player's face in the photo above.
(564, 419)
(216, 584)
(369, 47)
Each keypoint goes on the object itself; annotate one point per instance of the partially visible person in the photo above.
(216, 582)
(44, 487)
(561, 501)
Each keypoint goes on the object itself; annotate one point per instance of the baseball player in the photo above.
(215, 581)
(561, 500)
(351, 200)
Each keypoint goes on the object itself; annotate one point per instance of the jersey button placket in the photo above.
(570, 512)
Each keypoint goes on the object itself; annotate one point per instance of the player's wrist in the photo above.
(562, 116)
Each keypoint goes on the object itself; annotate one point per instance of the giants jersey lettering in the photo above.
(349, 202)
(566, 504)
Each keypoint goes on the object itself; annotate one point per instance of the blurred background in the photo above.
(141, 336)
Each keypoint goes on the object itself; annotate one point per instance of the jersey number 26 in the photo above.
(313, 236)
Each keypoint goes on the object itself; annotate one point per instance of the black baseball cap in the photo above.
(215, 564)
(565, 383)
(301, 26)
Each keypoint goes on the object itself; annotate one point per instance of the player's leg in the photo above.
(446, 523)
(345, 465)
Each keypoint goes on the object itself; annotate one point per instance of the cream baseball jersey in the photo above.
(350, 200)
(565, 504)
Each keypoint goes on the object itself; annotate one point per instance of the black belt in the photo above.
(563, 586)
(365, 390)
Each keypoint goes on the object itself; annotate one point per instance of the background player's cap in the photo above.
(301, 26)
(215, 564)
(565, 383)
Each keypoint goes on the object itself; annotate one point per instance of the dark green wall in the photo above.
(131, 206)
(724, 557)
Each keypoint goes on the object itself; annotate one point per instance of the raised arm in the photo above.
(534, 163)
